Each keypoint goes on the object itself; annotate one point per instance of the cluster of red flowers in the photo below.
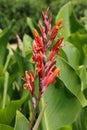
(45, 65)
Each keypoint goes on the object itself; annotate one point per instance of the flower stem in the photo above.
(34, 112)
(32, 120)
(39, 118)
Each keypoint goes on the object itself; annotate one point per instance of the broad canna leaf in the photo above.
(69, 127)
(81, 122)
(80, 41)
(71, 24)
(83, 76)
(62, 108)
(73, 56)
(21, 122)
(7, 114)
(5, 127)
(71, 80)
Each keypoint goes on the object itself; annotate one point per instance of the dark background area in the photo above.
(15, 12)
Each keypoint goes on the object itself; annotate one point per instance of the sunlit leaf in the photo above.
(7, 114)
(61, 108)
(21, 122)
(71, 24)
(73, 55)
(83, 75)
(27, 41)
(5, 127)
(71, 80)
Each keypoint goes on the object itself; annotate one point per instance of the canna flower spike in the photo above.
(45, 66)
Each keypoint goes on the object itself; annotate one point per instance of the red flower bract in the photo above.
(55, 29)
(55, 48)
(50, 78)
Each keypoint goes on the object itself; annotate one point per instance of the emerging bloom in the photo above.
(47, 21)
(29, 85)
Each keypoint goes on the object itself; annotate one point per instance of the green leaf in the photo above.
(71, 24)
(4, 37)
(69, 127)
(71, 80)
(81, 122)
(7, 114)
(5, 127)
(13, 71)
(61, 109)
(73, 55)
(79, 40)
(21, 122)
(85, 54)
(83, 75)
(27, 41)
(20, 61)
(32, 25)
(1, 69)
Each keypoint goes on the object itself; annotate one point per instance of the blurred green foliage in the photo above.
(67, 100)
(17, 11)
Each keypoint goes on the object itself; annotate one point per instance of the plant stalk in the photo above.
(34, 113)
(39, 118)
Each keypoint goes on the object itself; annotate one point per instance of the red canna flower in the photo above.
(55, 48)
(50, 78)
(38, 53)
(45, 66)
(54, 32)
(38, 41)
(55, 29)
(29, 85)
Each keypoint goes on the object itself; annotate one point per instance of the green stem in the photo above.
(32, 120)
(5, 89)
(39, 118)
(33, 115)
